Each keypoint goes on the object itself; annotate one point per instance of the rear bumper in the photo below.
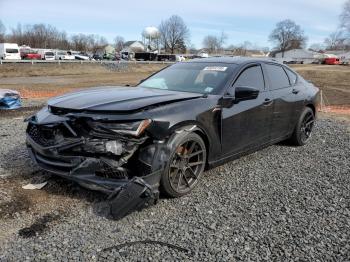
(81, 169)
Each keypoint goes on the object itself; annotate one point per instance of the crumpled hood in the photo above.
(115, 98)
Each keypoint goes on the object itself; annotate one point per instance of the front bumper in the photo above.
(81, 169)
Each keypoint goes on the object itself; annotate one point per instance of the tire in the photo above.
(303, 128)
(182, 171)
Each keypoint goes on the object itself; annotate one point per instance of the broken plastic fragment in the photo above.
(34, 186)
(135, 195)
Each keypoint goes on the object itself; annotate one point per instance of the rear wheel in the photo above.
(303, 129)
(185, 166)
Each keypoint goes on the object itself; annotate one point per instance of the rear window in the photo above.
(49, 53)
(11, 50)
(277, 76)
(292, 76)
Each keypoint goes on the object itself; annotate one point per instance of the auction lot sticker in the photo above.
(215, 68)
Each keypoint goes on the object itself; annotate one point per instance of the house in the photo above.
(297, 55)
(132, 47)
(107, 49)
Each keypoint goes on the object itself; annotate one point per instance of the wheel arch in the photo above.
(197, 129)
(313, 108)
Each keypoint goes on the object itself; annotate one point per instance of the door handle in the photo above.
(295, 91)
(267, 102)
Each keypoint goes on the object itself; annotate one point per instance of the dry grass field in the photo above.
(333, 80)
(45, 80)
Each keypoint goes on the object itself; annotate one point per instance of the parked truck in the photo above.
(46, 54)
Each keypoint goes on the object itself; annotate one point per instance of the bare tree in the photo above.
(173, 34)
(39, 36)
(317, 47)
(214, 44)
(345, 17)
(241, 49)
(287, 35)
(211, 43)
(88, 43)
(340, 39)
(16, 35)
(222, 40)
(119, 43)
(336, 41)
(2, 32)
(100, 42)
(164, 34)
(47, 36)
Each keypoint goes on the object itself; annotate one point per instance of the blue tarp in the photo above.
(9, 99)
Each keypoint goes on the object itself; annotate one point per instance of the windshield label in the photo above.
(215, 68)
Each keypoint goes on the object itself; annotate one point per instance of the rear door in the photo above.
(247, 123)
(283, 100)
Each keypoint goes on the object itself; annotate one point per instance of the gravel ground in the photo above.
(281, 203)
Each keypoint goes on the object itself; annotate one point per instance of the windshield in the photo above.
(11, 50)
(204, 78)
(30, 51)
(49, 53)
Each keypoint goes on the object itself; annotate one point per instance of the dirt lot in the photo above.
(45, 80)
(334, 81)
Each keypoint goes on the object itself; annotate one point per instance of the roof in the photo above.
(232, 60)
(298, 50)
(129, 43)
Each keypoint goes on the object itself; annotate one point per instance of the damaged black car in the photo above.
(162, 134)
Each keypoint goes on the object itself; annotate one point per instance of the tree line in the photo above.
(174, 34)
(174, 37)
(49, 37)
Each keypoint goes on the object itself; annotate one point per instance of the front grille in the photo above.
(41, 137)
(107, 171)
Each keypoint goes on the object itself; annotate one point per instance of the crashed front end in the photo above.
(98, 152)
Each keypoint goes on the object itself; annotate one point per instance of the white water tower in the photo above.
(151, 34)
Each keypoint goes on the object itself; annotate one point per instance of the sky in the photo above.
(241, 20)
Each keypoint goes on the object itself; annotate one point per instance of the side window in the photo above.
(292, 76)
(278, 78)
(252, 77)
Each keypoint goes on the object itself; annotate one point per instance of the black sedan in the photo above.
(166, 131)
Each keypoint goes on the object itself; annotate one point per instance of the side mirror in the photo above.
(227, 101)
(243, 93)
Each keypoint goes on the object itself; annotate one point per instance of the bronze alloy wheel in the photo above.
(186, 166)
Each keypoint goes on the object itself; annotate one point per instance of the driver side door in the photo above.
(247, 124)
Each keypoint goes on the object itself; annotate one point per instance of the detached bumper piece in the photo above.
(85, 160)
(135, 195)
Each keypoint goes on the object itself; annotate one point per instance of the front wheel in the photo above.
(303, 129)
(185, 165)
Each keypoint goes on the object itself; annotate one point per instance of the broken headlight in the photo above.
(128, 128)
(115, 147)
